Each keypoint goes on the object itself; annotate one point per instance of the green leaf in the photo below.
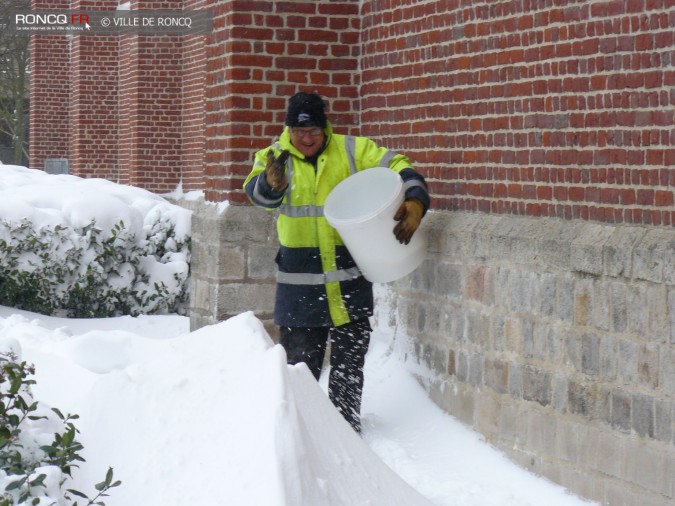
(38, 481)
(78, 493)
(16, 484)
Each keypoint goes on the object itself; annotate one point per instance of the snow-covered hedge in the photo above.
(90, 247)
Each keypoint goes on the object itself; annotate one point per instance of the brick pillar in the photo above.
(49, 92)
(150, 107)
(194, 76)
(94, 98)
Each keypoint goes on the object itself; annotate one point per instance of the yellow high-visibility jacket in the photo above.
(318, 283)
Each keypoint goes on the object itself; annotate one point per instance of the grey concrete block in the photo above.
(515, 381)
(541, 433)
(446, 280)
(667, 370)
(664, 420)
(559, 392)
(573, 351)
(609, 357)
(566, 299)
(618, 250)
(648, 365)
(601, 305)
(571, 440)
(587, 248)
(548, 295)
(638, 309)
(475, 369)
(628, 362)
(260, 264)
(463, 366)
(649, 255)
(658, 323)
(236, 298)
(481, 236)
(537, 385)
(555, 244)
(583, 302)
(580, 398)
(247, 223)
(651, 467)
(607, 453)
(516, 241)
(590, 354)
(452, 234)
(231, 263)
(524, 293)
(497, 375)
(643, 415)
(618, 307)
(669, 261)
(498, 339)
(620, 417)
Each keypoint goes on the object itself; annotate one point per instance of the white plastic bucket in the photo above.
(362, 208)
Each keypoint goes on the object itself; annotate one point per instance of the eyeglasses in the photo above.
(301, 132)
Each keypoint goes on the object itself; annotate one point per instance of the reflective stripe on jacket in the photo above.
(318, 283)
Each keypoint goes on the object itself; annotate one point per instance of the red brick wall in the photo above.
(516, 107)
(150, 104)
(537, 108)
(193, 112)
(150, 91)
(260, 54)
(49, 94)
(94, 111)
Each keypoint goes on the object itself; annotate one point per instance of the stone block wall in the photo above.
(233, 269)
(556, 341)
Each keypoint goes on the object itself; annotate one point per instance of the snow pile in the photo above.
(216, 417)
(90, 239)
(211, 417)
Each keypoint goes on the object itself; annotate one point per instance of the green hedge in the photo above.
(89, 272)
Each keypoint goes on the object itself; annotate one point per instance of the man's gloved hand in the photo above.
(275, 170)
(409, 216)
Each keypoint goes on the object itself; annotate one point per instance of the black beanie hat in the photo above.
(306, 109)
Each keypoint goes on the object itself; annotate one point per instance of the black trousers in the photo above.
(348, 345)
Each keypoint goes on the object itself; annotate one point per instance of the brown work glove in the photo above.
(275, 170)
(409, 216)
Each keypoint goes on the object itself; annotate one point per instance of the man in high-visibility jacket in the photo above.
(320, 290)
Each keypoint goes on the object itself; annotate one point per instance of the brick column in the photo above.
(94, 98)
(193, 114)
(49, 92)
(150, 106)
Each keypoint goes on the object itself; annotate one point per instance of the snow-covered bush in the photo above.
(89, 247)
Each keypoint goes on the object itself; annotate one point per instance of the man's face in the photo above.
(307, 140)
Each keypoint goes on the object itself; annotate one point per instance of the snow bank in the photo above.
(209, 417)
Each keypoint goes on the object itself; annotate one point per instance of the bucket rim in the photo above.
(396, 195)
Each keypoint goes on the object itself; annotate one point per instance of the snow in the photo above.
(216, 416)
